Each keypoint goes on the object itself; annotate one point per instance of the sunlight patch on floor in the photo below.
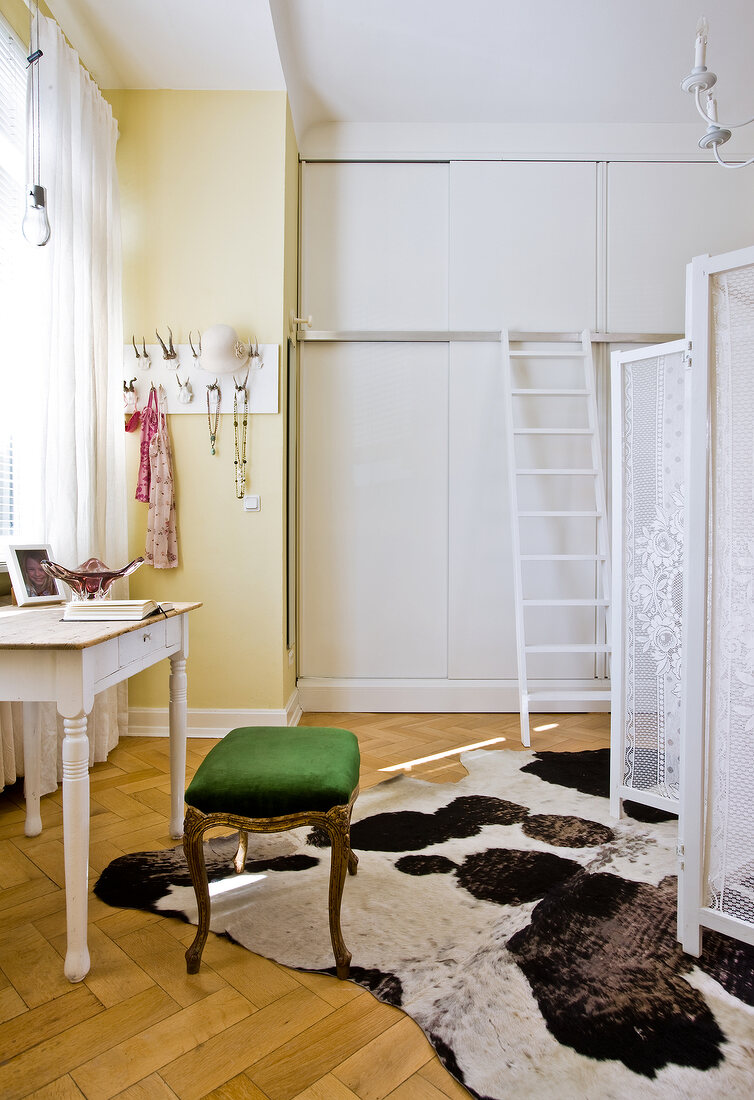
(440, 755)
(237, 882)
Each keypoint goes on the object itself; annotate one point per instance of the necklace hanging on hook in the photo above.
(239, 458)
(213, 415)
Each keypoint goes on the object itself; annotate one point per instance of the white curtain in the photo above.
(71, 466)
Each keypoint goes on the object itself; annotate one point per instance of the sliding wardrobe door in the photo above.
(374, 246)
(481, 639)
(374, 510)
(374, 417)
(522, 255)
(659, 216)
(523, 245)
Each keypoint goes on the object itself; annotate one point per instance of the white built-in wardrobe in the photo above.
(405, 584)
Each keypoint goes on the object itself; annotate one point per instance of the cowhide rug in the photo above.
(527, 932)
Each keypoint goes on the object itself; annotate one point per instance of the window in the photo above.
(12, 192)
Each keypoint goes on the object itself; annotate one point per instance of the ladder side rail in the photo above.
(602, 573)
(599, 481)
(516, 540)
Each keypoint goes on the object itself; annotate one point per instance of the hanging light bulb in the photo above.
(35, 225)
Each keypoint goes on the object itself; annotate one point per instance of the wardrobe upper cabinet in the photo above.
(659, 217)
(374, 246)
(523, 245)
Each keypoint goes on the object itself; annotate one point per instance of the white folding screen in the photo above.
(716, 885)
(648, 411)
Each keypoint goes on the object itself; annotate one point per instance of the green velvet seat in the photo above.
(269, 771)
(268, 779)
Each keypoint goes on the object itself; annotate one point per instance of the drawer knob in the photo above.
(147, 637)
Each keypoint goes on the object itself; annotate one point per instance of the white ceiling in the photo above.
(225, 45)
(425, 61)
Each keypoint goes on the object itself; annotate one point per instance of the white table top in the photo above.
(43, 627)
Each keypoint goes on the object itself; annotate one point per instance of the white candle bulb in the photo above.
(711, 108)
(700, 46)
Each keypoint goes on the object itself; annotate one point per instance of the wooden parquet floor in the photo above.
(138, 1027)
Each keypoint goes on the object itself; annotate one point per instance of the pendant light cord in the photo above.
(34, 55)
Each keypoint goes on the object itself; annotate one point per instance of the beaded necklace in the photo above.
(240, 453)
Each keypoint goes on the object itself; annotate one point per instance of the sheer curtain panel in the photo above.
(71, 462)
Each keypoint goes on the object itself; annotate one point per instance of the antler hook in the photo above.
(196, 354)
(133, 341)
(167, 352)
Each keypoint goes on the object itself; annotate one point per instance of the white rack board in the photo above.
(263, 381)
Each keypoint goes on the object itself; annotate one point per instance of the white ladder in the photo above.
(577, 397)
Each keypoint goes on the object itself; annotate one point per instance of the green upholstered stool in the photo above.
(266, 779)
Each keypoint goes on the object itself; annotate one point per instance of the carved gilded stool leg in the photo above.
(337, 823)
(193, 832)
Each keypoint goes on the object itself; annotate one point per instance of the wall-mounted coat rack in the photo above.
(263, 381)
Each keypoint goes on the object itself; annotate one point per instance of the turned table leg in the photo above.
(76, 844)
(177, 721)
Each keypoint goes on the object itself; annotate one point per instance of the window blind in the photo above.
(12, 195)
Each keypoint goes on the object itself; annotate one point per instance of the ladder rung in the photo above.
(592, 601)
(563, 557)
(553, 431)
(564, 471)
(543, 515)
(554, 696)
(547, 354)
(562, 647)
(549, 393)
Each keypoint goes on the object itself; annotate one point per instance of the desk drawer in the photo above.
(140, 643)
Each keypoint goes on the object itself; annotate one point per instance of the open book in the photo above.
(112, 610)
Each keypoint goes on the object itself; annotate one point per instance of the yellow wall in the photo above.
(204, 210)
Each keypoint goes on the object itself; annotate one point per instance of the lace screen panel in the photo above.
(730, 634)
(653, 434)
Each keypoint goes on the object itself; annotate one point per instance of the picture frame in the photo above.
(35, 589)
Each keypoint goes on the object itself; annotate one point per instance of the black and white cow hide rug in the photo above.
(529, 934)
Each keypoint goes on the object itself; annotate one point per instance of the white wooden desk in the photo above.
(43, 659)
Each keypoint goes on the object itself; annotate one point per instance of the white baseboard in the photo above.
(439, 696)
(153, 721)
(293, 709)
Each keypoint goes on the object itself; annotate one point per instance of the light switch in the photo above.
(252, 503)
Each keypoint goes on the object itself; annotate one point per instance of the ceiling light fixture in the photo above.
(36, 225)
(700, 81)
